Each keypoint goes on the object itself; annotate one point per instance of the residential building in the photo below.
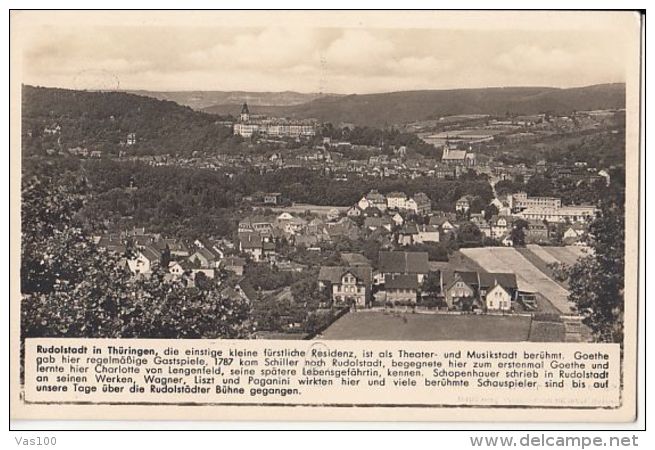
(463, 204)
(373, 199)
(403, 263)
(462, 291)
(396, 200)
(234, 264)
(401, 288)
(253, 245)
(205, 258)
(347, 285)
(492, 297)
(407, 234)
(427, 233)
(423, 203)
(145, 262)
(498, 299)
(272, 198)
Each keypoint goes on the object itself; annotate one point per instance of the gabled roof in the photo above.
(355, 259)
(333, 274)
(206, 253)
(151, 254)
(409, 228)
(396, 194)
(470, 278)
(247, 289)
(421, 197)
(401, 281)
(234, 261)
(506, 280)
(250, 240)
(440, 220)
(375, 196)
(404, 262)
(454, 154)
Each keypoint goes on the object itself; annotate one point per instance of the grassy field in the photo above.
(531, 255)
(542, 253)
(566, 255)
(547, 332)
(529, 277)
(377, 325)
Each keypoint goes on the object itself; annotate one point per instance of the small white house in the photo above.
(498, 299)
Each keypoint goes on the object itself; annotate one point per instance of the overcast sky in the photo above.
(305, 59)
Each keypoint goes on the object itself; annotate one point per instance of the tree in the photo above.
(469, 235)
(517, 234)
(165, 258)
(70, 288)
(432, 284)
(597, 280)
(490, 211)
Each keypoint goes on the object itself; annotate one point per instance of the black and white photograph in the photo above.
(343, 184)
(453, 179)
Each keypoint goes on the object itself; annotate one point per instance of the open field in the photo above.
(529, 277)
(566, 255)
(542, 253)
(377, 325)
(547, 332)
(541, 264)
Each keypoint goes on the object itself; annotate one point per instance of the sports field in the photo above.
(378, 325)
(529, 277)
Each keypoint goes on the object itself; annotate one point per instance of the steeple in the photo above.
(245, 113)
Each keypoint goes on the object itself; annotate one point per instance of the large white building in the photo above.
(520, 201)
(581, 213)
(247, 126)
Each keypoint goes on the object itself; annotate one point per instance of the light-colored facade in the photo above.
(350, 288)
(498, 299)
(247, 126)
(521, 201)
(564, 214)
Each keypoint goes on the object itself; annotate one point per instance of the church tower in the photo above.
(245, 114)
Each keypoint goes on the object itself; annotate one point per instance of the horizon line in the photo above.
(128, 90)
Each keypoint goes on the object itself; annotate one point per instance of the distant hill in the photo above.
(204, 99)
(410, 106)
(102, 121)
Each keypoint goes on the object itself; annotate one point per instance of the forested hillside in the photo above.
(60, 119)
(408, 106)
